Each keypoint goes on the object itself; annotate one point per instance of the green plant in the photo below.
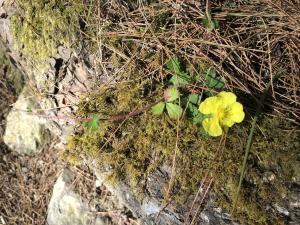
(170, 96)
(179, 77)
(188, 101)
(210, 23)
(93, 123)
(214, 81)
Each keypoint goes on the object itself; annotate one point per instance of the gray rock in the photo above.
(10, 72)
(68, 208)
(150, 210)
(26, 130)
(146, 210)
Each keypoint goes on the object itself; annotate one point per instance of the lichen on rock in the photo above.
(26, 130)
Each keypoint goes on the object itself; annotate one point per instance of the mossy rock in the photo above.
(134, 147)
(39, 27)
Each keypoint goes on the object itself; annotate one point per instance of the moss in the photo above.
(272, 167)
(134, 147)
(39, 27)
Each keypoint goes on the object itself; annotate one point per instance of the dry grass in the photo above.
(26, 186)
(257, 42)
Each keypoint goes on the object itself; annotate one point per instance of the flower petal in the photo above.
(235, 114)
(227, 121)
(212, 126)
(210, 105)
(227, 98)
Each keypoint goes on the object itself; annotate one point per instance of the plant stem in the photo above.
(249, 143)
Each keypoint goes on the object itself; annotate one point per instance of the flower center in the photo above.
(221, 113)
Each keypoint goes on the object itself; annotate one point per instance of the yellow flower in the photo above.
(223, 111)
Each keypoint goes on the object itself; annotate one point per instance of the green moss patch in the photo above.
(39, 27)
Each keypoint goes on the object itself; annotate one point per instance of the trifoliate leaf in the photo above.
(174, 66)
(213, 80)
(174, 111)
(93, 124)
(194, 98)
(158, 108)
(171, 94)
(181, 79)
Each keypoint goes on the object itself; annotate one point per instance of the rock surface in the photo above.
(146, 210)
(150, 210)
(14, 76)
(56, 86)
(68, 208)
(26, 131)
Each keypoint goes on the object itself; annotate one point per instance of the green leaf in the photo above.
(158, 108)
(181, 79)
(216, 23)
(171, 94)
(206, 23)
(93, 124)
(197, 119)
(174, 111)
(210, 24)
(193, 109)
(195, 113)
(213, 80)
(194, 98)
(29, 109)
(174, 66)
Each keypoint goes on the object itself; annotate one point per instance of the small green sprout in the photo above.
(209, 23)
(93, 123)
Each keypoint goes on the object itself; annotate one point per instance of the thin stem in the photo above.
(249, 142)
